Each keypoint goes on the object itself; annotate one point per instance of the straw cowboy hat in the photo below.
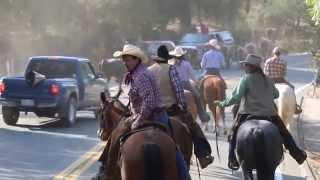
(253, 60)
(131, 50)
(214, 43)
(177, 52)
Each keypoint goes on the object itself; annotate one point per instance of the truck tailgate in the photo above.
(18, 88)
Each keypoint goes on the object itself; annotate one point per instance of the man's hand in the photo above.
(102, 135)
(136, 124)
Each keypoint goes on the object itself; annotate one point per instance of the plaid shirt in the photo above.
(275, 68)
(177, 86)
(144, 94)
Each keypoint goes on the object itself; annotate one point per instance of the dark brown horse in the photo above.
(147, 154)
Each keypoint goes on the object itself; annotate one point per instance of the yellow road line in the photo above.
(82, 164)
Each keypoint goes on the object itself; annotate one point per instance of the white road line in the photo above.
(300, 69)
(57, 134)
(71, 136)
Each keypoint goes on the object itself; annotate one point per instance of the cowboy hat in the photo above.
(177, 52)
(253, 60)
(131, 50)
(214, 43)
(162, 54)
(276, 50)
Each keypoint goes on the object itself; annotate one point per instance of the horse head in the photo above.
(111, 112)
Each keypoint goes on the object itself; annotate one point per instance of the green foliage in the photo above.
(314, 9)
(95, 28)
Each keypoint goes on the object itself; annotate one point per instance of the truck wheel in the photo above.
(10, 115)
(69, 116)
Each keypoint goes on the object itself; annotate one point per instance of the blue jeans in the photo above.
(181, 163)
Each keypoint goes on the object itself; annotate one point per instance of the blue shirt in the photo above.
(212, 59)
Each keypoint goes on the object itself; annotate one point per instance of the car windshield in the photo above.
(195, 38)
(53, 68)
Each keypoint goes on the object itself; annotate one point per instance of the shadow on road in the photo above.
(84, 126)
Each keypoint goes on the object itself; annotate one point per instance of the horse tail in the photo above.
(260, 153)
(220, 96)
(152, 162)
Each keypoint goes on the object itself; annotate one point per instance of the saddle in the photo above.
(145, 126)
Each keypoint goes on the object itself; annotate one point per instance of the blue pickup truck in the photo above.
(53, 86)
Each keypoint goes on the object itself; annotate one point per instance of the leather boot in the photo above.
(205, 161)
(298, 154)
(202, 148)
(232, 160)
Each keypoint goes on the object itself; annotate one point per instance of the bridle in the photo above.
(112, 104)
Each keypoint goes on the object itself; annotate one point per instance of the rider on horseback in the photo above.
(186, 75)
(144, 95)
(173, 99)
(276, 69)
(212, 62)
(256, 94)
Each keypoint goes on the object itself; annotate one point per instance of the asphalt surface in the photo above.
(40, 148)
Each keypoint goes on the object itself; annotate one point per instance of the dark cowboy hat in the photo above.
(162, 54)
(253, 60)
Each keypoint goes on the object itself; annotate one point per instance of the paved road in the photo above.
(41, 149)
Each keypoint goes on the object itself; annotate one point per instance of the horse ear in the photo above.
(103, 97)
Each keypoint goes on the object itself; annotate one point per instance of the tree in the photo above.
(314, 9)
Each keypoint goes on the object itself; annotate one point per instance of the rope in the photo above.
(198, 169)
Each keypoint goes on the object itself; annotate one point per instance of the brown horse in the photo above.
(150, 155)
(145, 149)
(113, 114)
(214, 90)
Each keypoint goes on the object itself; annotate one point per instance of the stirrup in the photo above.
(234, 165)
(299, 155)
(205, 161)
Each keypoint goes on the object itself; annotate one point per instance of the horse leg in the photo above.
(266, 175)
(223, 117)
(205, 125)
(216, 118)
